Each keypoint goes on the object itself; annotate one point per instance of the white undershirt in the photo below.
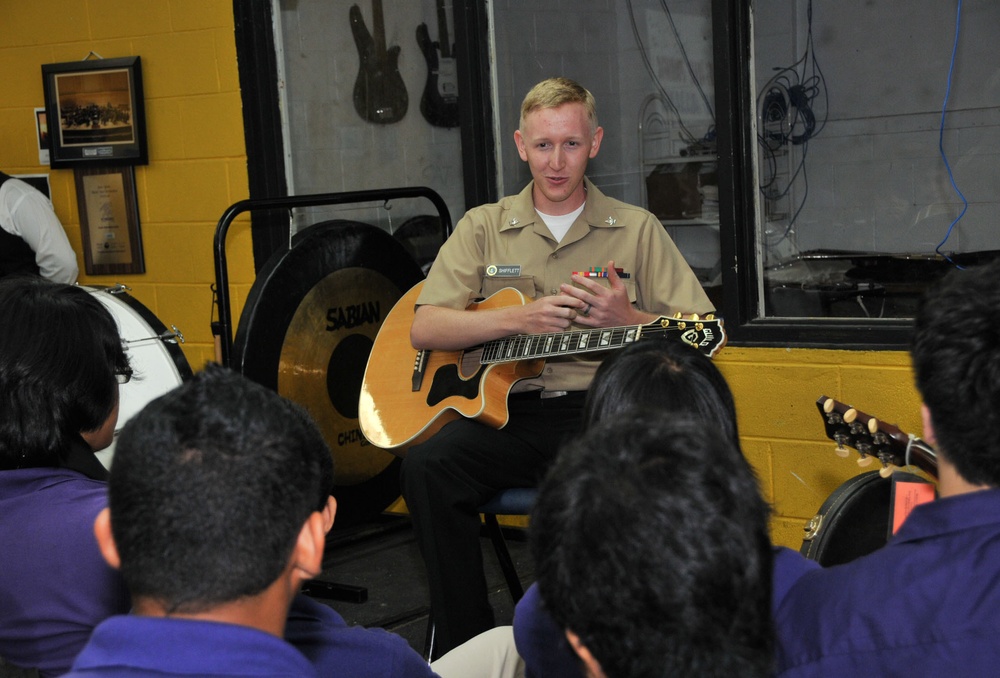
(559, 224)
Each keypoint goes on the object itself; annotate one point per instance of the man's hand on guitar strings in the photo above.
(549, 314)
(600, 306)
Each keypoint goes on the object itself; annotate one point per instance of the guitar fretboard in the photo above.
(529, 346)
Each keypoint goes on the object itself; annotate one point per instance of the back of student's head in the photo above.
(59, 352)
(209, 489)
(668, 376)
(956, 357)
(653, 549)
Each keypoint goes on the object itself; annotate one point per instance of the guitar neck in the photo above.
(705, 335)
(445, 45)
(378, 28)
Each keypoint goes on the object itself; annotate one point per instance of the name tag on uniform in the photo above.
(503, 270)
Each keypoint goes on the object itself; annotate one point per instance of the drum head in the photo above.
(156, 358)
(853, 521)
(308, 327)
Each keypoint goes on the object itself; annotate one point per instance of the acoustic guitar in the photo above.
(407, 395)
(439, 103)
(379, 92)
(874, 439)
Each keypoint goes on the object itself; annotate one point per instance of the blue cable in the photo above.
(944, 157)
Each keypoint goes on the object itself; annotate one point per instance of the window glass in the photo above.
(877, 148)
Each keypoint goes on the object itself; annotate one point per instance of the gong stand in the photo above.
(307, 329)
(289, 203)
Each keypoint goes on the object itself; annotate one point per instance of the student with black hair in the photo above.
(927, 603)
(61, 361)
(666, 379)
(215, 517)
(651, 544)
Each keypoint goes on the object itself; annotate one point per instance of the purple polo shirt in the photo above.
(926, 604)
(54, 585)
(130, 646)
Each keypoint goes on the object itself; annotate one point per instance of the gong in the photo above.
(308, 327)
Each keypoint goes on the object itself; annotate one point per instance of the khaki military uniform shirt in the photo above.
(506, 244)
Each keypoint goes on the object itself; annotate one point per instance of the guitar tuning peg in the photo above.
(864, 461)
(710, 316)
(678, 315)
(873, 425)
(828, 405)
(694, 316)
(886, 470)
(841, 451)
(850, 415)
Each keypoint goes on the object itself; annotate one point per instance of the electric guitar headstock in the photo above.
(874, 439)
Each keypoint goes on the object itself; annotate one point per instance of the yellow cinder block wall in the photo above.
(197, 168)
(194, 119)
(782, 432)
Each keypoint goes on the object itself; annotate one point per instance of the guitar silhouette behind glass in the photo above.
(379, 92)
(439, 103)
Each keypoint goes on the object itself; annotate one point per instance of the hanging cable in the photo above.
(787, 108)
(685, 133)
(687, 61)
(951, 176)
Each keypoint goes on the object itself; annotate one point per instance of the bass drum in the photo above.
(853, 521)
(157, 361)
(307, 329)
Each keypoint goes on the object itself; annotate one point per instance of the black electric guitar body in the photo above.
(379, 92)
(439, 103)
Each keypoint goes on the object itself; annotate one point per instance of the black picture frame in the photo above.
(96, 113)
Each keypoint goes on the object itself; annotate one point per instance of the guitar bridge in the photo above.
(419, 366)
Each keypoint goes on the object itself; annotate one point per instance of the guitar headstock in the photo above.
(873, 439)
(707, 334)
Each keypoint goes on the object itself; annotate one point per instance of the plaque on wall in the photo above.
(109, 220)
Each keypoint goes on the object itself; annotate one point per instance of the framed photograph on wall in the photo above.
(109, 219)
(95, 112)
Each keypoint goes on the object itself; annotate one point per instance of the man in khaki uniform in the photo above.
(537, 242)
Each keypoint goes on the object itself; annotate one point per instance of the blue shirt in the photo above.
(337, 649)
(926, 604)
(130, 646)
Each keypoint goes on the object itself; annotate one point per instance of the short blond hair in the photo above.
(555, 92)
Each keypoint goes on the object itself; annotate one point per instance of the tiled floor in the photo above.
(383, 558)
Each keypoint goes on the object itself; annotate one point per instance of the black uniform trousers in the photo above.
(446, 479)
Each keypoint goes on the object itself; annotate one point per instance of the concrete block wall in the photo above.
(782, 432)
(194, 118)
